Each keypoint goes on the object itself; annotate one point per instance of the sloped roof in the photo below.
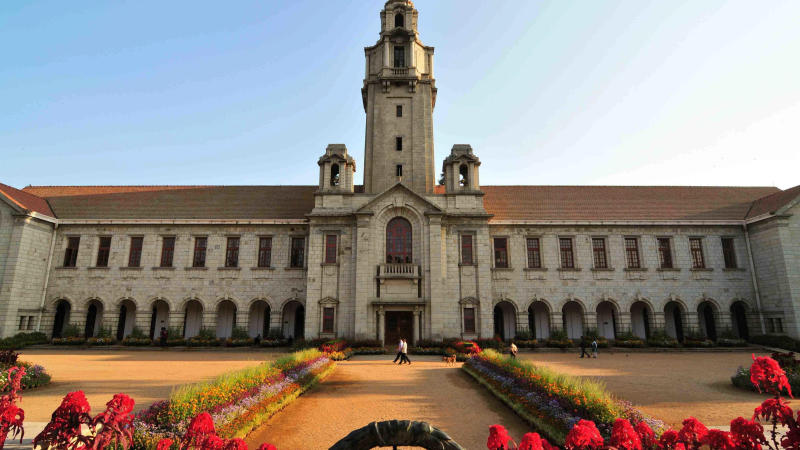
(773, 202)
(25, 200)
(178, 202)
(611, 203)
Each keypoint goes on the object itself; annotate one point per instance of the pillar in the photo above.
(381, 321)
(415, 324)
(624, 323)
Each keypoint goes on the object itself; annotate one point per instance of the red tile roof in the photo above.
(620, 203)
(26, 200)
(773, 202)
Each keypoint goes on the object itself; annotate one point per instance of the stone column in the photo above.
(522, 321)
(438, 301)
(364, 282)
(659, 321)
(590, 321)
(242, 318)
(624, 324)
(210, 320)
(556, 321)
(381, 321)
(416, 325)
(386, 60)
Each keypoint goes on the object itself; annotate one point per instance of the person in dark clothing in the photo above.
(399, 352)
(404, 354)
(162, 337)
(583, 348)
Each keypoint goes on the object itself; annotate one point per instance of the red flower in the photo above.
(584, 435)
(235, 444)
(116, 423)
(64, 429)
(74, 403)
(164, 444)
(719, 440)
(498, 438)
(201, 425)
(747, 434)
(624, 437)
(766, 374)
(775, 409)
(267, 447)
(11, 415)
(646, 435)
(791, 439)
(692, 432)
(669, 439)
(531, 441)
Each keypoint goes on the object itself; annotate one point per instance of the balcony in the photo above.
(399, 72)
(406, 271)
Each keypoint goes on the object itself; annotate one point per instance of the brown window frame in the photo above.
(533, 246)
(71, 251)
(698, 258)
(331, 247)
(567, 252)
(103, 251)
(467, 249)
(501, 260)
(665, 259)
(232, 252)
(297, 253)
(599, 253)
(264, 251)
(729, 253)
(633, 259)
(200, 251)
(328, 319)
(167, 251)
(469, 320)
(135, 252)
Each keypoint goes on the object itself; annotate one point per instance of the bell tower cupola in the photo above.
(399, 95)
(461, 171)
(336, 170)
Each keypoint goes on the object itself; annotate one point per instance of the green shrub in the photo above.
(70, 331)
(523, 335)
(22, 340)
(659, 338)
(239, 333)
(137, 332)
(776, 341)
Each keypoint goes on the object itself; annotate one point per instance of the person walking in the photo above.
(162, 337)
(583, 347)
(594, 348)
(513, 350)
(405, 353)
(399, 352)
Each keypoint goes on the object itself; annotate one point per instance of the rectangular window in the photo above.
(200, 246)
(298, 253)
(232, 252)
(534, 253)
(167, 251)
(398, 170)
(399, 57)
(469, 320)
(135, 253)
(71, 253)
(30, 323)
(327, 320)
(466, 249)
(330, 249)
(599, 253)
(665, 253)
(501, 253)
(399, 111)
(264, 251)
(778, 325)
(770, 325)
(23, 320)
(567, 257)
(729, 253)
(398, 143)
(103, 251)
(632, 253)
(696, 247)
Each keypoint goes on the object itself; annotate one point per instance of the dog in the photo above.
(450, 360)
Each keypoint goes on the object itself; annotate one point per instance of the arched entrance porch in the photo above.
(739, 317)
(226, 318)
(607, 320)
(539, 320)
(294, 320)
(127, 319)
(61, 320)
(707, 316)
(572, 317)
(159, 317)
(258, 320)
(94, 319)
(640, 319)
(673, 320)
(505, 320)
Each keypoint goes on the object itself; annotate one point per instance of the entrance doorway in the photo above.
(399, 324)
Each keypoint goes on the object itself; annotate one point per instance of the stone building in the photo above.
(400, 255)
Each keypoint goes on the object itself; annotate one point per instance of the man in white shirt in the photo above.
(404, 356)
(399, 352)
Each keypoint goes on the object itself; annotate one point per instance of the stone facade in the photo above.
(398, 256)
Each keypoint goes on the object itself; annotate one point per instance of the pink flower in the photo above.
(498, 438)
(584, 435)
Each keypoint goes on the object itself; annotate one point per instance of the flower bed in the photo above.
(35, 375)
(22, 340)
(99, 341)
(237, 401)
(551, 402)
(786, 361)
(74, 340)
(137, 341)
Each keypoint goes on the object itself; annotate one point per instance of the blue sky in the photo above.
(547, 92)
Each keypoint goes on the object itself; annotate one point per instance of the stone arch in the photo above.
(562, 303)
(505, 319)
(739, 310)
(399, 20)
(408, 212)
(539, 318)
(607, 311)
(226, 317)
(95, 308)
(675, 318)
(396, 433)
(293, 314)
(707, 314)
(258, 317)
(126, 318)
(159, 316)
(641, 318)
(63, 308)
(192, 309)
(573, 318)
(399, 241)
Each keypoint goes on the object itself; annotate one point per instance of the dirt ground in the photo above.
(669, 386)
(147, 376)
(367, 389)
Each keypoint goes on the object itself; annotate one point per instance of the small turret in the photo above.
(461, 170)
(336, 170)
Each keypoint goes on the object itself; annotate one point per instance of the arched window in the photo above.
(335, 175)
(398, 241)
(399, 20)
(463, 178)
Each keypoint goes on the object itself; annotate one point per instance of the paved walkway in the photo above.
(371, 388)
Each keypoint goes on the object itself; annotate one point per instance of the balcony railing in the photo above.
(398, 270)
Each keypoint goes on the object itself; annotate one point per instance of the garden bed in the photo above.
(237, 401)
(35, 375)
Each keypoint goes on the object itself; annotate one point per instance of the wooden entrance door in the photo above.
(399, 324)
